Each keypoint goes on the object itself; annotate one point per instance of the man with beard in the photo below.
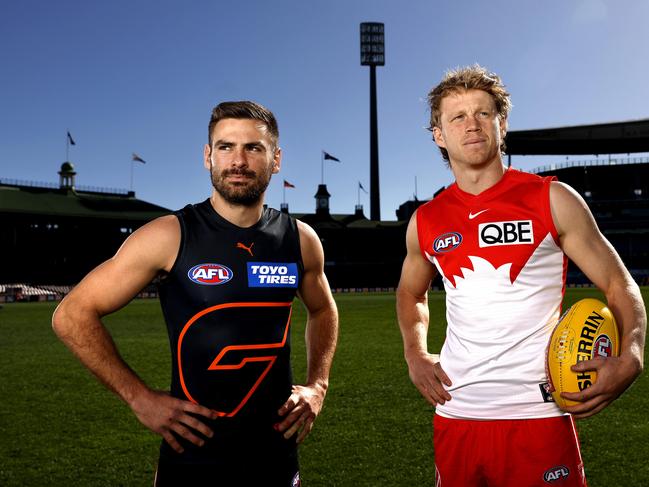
(229, 270)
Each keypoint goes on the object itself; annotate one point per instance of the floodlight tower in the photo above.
(373, 55)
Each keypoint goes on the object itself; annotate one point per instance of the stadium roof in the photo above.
(71, 203)
(607, 138)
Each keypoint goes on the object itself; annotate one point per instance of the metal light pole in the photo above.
(373, 55)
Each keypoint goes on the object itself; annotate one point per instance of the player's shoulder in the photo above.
(158, 238)
(311, 250)
(440, 203)
(562, 189)
(195, 212)
(160, 227)
(519, 175)
(570, 211)
(280, 225)
(445, 202)
(515, 178)
(412, 231)
(306, 232)
(564, 196)
(274, 216)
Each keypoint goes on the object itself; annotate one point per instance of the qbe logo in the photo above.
(447, 242)
(210, 274)
(602, 347)
(272, 274)
(517, 232)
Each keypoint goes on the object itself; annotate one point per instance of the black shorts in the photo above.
(229, 459)
(204, 475)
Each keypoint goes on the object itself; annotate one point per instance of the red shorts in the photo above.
(507, 453)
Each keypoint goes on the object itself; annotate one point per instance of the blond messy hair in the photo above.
(473, 77)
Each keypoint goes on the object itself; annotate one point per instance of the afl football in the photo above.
(587, 330)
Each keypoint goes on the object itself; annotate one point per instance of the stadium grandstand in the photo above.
(52, 235)
(615, 188)
(617, 192)
(360, 254)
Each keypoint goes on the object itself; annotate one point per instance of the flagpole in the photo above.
(284, 193)
(67, 147)
(358, 191)
(132, 164)
(321, 167)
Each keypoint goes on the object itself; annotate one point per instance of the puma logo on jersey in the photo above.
(518, 232)
(244, 247)
(473, 215)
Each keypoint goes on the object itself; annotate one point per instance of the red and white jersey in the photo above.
(504, 275)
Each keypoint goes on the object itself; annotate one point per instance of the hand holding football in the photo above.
(587, 330)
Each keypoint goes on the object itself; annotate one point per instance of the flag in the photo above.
(330, 157)
(361, 186)
(138, 158)
(70, 139)
(288, 185)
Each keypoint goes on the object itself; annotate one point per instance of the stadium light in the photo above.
(373, 55)
(372, 44)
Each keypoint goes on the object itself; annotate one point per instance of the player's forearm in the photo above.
(83, 333)
(321, 337)
(412, 314)
(625, 301)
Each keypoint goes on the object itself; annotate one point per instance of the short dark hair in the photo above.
(244, 110)
(468, 78)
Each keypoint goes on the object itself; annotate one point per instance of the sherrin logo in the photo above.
(447, 242)
(210, 274)
(272, 274)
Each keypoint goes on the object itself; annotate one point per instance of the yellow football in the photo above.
(586, 330)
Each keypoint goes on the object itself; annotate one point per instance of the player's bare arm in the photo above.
(424, 368)
(583, 243)
(148, 252)
(305, 402)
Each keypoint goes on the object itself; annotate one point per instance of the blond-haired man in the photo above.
(500, 238)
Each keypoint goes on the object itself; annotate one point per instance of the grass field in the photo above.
(60, 427)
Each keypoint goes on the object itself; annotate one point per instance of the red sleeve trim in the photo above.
(549, 221)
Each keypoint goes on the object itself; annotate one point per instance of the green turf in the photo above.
(59, 426)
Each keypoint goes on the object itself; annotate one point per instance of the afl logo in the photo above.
(210, 274)
(447, 242)
(556, 474)
(603, 347)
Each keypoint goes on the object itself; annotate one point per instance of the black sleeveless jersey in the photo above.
(227, 305)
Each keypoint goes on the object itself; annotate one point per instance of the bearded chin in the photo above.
(244, 195)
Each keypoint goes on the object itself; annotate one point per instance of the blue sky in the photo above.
(142, 76)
